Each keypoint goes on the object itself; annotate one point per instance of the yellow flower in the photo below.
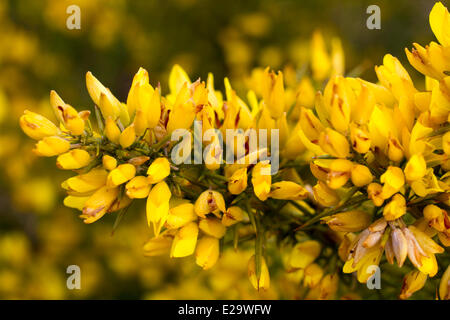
(185, 240)
(360, 139)
(209, 202)
(394, 150)
(446, 143)
(393, 180)
(207, 252)
(36, 126)
(263, 281)
(339, 173)
(85, 184)
(371, 257)
(395, 208)
(422, 250)
(158, 245)
(138, 188)
(232, 216)
(416, 168)
(361, 175)
(288, 190)
(428, 184)
(74, 159)
(71, 119)
(180, 215)
(99, 203)
(349, 221)
(304, 253)
(212, 227)
(328, 286)
(238, 181)
(158, 206)
(158, 170)
(109, 163)
(440, 23)
(437, 218)
(121, 174)
(313, 275)
(374, 191)
(261, 180)
(412, 282)
(444, 286)
(334, 143)
(51, 146)
(325, 195)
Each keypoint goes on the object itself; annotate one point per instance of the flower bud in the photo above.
(158, 170)
(232, 216)
(183, 244)
(138, 188)
(102, 97)
(36, 126)
(395, 208)
(416, 168)
(209, 202)
(180, 215)
(273, 92)
(74, 159)
(334, 143)
(98, 204)
(207, 252)
(127, 136)
(238, 181)
(158, 206)
(304, 253)
(263, 281)
(325, 195)
(349, 221)
(112, 131)
(109, 163)
(212, 227)
(121, 174)
(51, 146)
(361, 175)
(412, 282)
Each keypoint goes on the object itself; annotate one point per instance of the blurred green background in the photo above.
(38, 237)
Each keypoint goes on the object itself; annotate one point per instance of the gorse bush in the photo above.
(343, 180)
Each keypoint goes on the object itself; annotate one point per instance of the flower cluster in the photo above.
(370, 160)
